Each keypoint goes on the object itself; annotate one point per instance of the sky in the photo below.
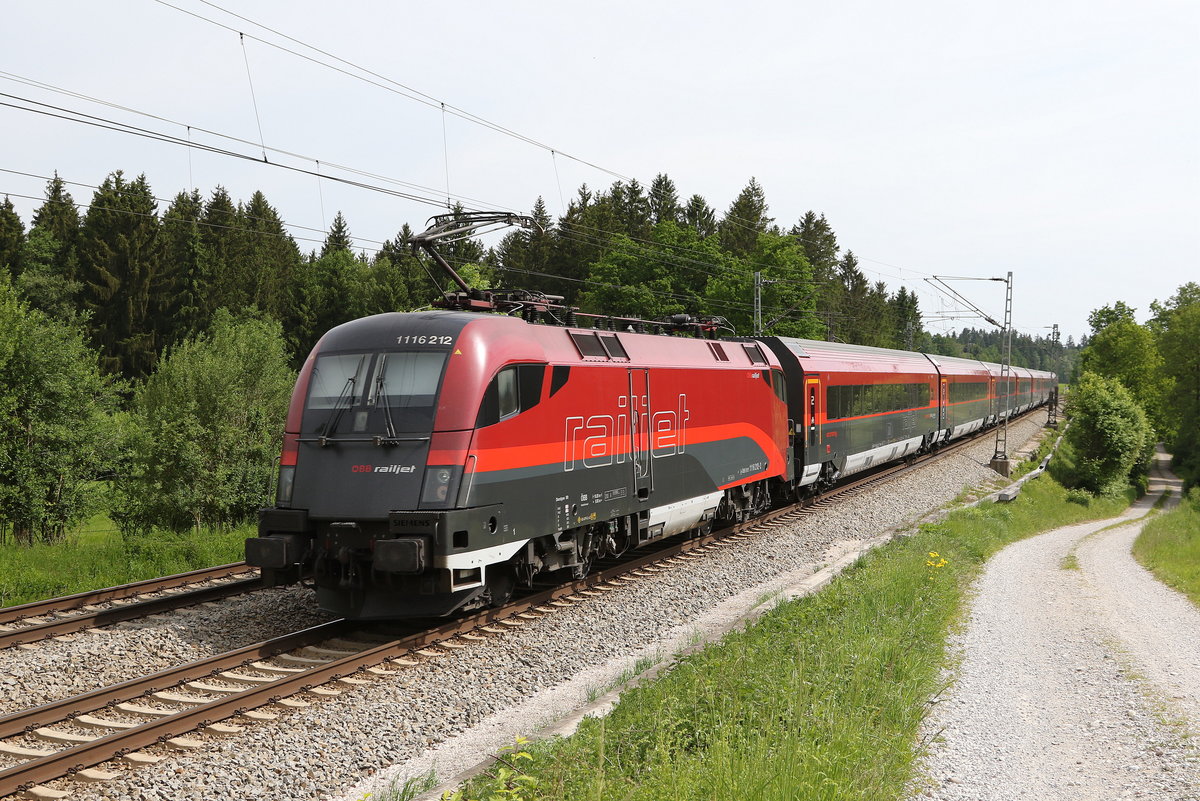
(1057, 140)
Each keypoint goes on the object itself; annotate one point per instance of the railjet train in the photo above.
(433, 461)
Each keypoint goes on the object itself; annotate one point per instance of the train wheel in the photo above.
(501, 581)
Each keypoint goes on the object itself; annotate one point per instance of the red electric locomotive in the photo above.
(433, 460)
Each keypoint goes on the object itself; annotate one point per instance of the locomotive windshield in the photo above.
(378, 393)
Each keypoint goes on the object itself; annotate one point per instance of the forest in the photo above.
(148, 347)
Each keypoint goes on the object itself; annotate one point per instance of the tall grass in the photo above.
(1169, 546)
(97, 555)
(822, 698)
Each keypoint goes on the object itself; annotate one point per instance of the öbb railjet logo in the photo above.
(383, 468)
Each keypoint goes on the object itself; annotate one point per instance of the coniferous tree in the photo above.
(182, 245)
(632, 208)
(407, 268)
(821, 247)
(127, 285)
(579, 239)
(906, 311)
(12, 238)
(664, 200)
(266, 255)
(528, 255)
(59, 217)
(699, 216)
(218, 238)
(50, 268)
(338, 237)
(745, 220)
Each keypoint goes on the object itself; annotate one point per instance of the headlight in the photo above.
(287, 478)
(440, 486)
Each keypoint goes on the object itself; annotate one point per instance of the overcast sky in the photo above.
(1058, 140)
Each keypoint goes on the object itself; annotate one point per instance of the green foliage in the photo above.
(1127, 352)
(338, 237)
(12, 238)
(207, 429)
(787, 298)
(1176, 325)
(56, 429)
(649, 280)
(128, 286)
(1110, 434)
(745, 220)
(1169, 546)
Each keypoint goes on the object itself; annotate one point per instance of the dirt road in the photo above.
(1075, 683)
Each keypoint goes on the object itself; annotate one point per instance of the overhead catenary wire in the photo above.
(466, 200)
(388, 83)
(253, 98)
(114, 125)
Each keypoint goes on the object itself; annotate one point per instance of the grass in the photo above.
(98, 555)
(640, 666)
(404, 790)
(1169, 547)
(822, 698)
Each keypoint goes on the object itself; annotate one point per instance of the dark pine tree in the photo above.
(745, 220)
(699, 216)
(127, 285)
(182, 246)
(266, 255)
(218, 236)
(338, 237)
(821, 247)
(12, 238)
(664, 200)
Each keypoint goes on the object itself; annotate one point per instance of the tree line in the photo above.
(1139, 383)
(152, 348)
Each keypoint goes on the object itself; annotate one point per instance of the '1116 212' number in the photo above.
(424, 339)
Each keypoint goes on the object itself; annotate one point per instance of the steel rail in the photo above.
(123, 612)
(66, 603)
(58, 711)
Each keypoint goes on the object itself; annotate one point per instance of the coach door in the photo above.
(812, 403)
(639, 432)
(944, 404)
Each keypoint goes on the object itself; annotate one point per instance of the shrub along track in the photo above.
(57, 616)
(320, 661)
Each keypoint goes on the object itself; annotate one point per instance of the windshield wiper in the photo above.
(381, 396)
(335, 414)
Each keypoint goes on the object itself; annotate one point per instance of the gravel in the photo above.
(517, 681)
(1073, 684)
(76, 663)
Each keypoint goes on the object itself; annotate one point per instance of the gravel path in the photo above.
(318, 751)
(1074, 683)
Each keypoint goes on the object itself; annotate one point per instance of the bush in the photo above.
(207, 428)
(57, 431)
(1079, 496)
(1110, 434)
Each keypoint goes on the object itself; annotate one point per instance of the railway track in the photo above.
(219, 695)
(57, 616)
